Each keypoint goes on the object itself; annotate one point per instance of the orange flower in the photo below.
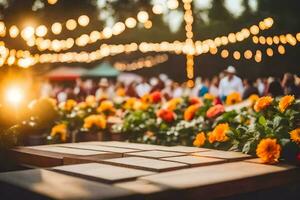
(166, 115)
(209, 96)
(140, 105)
(253, 98)
(215, 111)
(121, 92)
(146, 98)
(155, 97)
(173, 103)
(295, 135)
(268, 150)
(211, 137)
(195, 100)
(285, 102)
(60, 129)
(190, 112)
(233, 98)
(129, 103)
(106, 107)
(90, 100)
(98, 121)
(262, 103)
(220, 132)
(200, 140)
(68, 105)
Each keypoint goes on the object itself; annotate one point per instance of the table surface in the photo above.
(120, 170)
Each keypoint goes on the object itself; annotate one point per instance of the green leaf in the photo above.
(262, 121)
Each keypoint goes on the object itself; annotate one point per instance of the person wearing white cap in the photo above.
(230, 83)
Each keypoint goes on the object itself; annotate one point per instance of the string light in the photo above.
(56, 28)
(148, 61)
(142, 16)
(83, 20)
(13, 31)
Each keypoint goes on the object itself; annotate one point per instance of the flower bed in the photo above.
(268, 128)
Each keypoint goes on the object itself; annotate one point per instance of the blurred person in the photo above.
(230, 83)
(79, 91)
(204, 88)
(289, 85)
(214, 86)
(89, 87)
(186, 91)
(249, 88)
(167, 91)
(260, 86)
(275, 89)
(197, 87)
(130, 91)
(177, 90)
(143, 88)
(102, 92)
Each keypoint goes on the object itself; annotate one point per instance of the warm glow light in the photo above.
(71, 24)
(130, 22)
(52, 2)
(148, 24)
(142, 16)
(27, 32)
(172, 4)
(56, 28)
(157, 9)
(14, 31)
(14, 95)
(83, 20)
(41, 31)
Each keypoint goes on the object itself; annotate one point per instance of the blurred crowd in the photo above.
(220, 86)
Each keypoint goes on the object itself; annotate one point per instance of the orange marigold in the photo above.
(285, 102)
(106, 107)
(295, 135)
(214, 111)
(121, 92)
(60, 129)
(233, 98)
(199, 140)
(253, 98)
(146, 98)
(98, 121)
(129, 103)
(173, 103)
(211, 137)
(190, 112)
(68, 105)
(140, 105)
(268, 150)
(220, 132)
(262, 103)
(90, 100)
(195, 100)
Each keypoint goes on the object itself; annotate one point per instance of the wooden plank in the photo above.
(225, 179)
(102, 172)
(44, 184)
(96, 147)
(184, 149)
(66, 150)
(140, 186)
(128, 145)
(154, 154)
(228, 155)
(194, 161)
(36, 158)
(145, 164)
(71, 159)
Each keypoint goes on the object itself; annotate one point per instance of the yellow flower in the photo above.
(128, 105)
(253, 98)
(209, 96)
(82, 105)
(268, 150)
(173, 103)
(146, 98)
(90, 100)
(220, 132)
(60, 129)
(199, 140)
(121, 92)
(95, 120)
(262, 103)
(285, 102)
(233, 98)
(295, 135)
(68, 105)
(106, 107)
(140, 105)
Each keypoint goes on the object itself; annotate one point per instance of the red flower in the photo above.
(166, 115)
(155, 96)
(215, 111)
(195, 100)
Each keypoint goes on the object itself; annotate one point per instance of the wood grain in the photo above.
(154, 154)
(228, 155)
(194, 161)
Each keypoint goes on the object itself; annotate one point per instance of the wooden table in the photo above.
(119, 170)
